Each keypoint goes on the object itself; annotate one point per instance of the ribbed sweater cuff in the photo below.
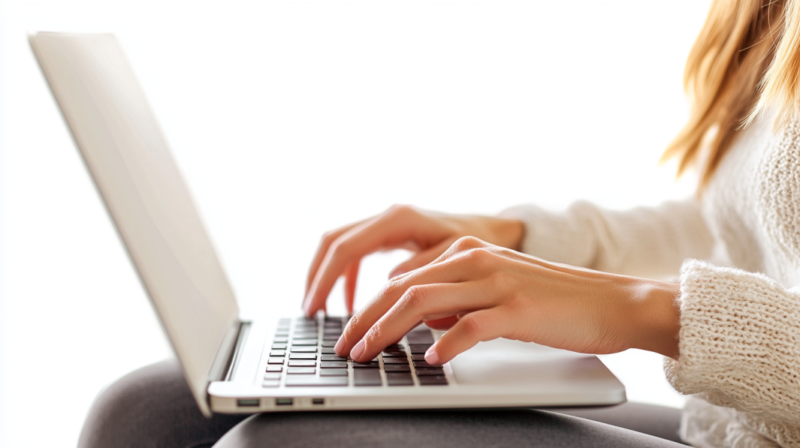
(739, 341)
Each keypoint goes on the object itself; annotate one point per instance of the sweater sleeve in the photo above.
(739, 343)
(644, 241)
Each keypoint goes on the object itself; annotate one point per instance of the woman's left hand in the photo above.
(482, 292)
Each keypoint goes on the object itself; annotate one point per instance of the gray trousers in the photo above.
(152, 407)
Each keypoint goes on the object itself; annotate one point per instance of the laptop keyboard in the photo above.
(302, 356)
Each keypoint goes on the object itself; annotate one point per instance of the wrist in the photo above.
(656, 317)
(506, 232)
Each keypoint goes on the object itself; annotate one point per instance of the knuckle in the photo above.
(340, 247)
(349, 331)
(415, 296)
(466, 243)
(328, 237)
(400, 210)
(393, 288)
(473, 325)
(480, 257)
(374, 333)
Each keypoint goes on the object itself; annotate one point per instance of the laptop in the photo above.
(275, 363)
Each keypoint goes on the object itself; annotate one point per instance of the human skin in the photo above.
(468, 277)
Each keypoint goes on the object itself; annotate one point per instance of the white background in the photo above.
(292, 117)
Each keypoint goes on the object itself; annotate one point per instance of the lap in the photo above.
(462, 429)
(658, 421)
(153, 407)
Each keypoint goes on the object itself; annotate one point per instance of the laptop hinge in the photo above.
(224, 365)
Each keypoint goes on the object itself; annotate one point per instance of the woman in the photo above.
(581, 280)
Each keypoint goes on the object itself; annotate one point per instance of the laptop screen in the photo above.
(145, 195)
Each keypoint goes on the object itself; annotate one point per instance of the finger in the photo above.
(444, 323)
(422, 258)
(387, 230)
(479, 326)
(419, 303)
(324, 244)
(350, 279)
(471, 265)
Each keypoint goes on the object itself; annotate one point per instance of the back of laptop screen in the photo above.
(126, 153)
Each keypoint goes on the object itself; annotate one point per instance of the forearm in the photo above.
(645, 241)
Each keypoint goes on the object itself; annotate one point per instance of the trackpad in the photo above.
(503, 362)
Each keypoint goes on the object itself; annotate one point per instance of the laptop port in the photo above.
(318, 401)
(284, 401)
(247, 403)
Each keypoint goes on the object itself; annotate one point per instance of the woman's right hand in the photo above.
(428, 234)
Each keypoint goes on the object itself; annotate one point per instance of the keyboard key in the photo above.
(328, 351)
(279, 346)
(367, 377)
(281, 334)
(307, 335)
(302, 363)
(335, 331)
(420, 336)
(284, 321)
(311, 381)
(279, 353)
(274, 368)
(272, 376)
(422, 364)
(301, 371)
(304, 342)
(281, 340)
(303, 356)
(395, 360)
(330, 337)
(432, 380)
(333, 365)
(270, 383)
(276, 360)
(333, 372)
(397, 368)
(395, 346)
(429, 371)
(303, 349)
(418, 357)
(366, 365)
(419, 348)
(332, 358)
(394, 355)
(399, 379)
(329, 343)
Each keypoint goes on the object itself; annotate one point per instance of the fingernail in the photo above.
(339, 346)
(358, 350)
(431, 357)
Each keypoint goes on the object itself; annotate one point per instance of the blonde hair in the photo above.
(745, 60)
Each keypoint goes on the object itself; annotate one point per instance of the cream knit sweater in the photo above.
(740, 309)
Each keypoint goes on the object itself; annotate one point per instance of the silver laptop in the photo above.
(276, 363)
